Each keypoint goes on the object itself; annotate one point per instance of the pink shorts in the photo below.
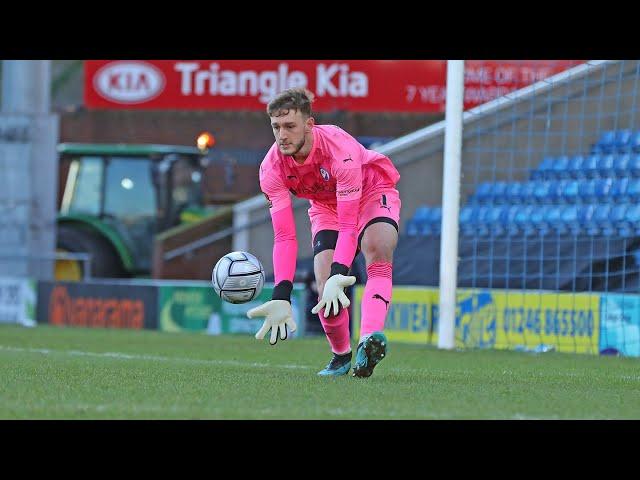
(380, 205)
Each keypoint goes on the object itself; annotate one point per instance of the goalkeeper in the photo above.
(354, 206)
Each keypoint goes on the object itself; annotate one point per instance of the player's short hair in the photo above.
(291, 99)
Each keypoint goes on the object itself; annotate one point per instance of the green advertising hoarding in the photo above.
(195, 307)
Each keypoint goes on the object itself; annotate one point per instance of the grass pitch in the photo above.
(74, 373)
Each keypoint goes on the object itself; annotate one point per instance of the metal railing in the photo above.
(85, 258)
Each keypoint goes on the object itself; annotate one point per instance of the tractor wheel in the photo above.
(105, 262)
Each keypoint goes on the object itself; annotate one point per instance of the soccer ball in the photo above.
(238, 277)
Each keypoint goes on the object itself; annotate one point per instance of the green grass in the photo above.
(74, 373)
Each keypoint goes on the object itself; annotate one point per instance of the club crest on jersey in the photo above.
(325, 174)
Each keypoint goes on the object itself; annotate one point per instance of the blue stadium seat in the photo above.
(522, 219)
(419, 221)
(585, 216)
(493, 220)
(633, 189)
(560, 168)
(538, 218)
(626, 221)
(553, 218)
(422, 213)
(632, 217)
(472, 220)
(603, 187)
(541, 191)
(621, 165)
(412, 229)
(601, 220)
(619, 189)
(605, 143)
(634, 142)
(556, 188)
(617, 219)
(575, 166)
(590, 166)
(544, 170)
(570, 192)
(425, 229)
(480, 221)
(526, 192)
(499, 189)
(512, 192)
(587, 191)
(489, 193)
(570, 219)
(483, 193)
(508, 219)
(634, 165)
(605, 166)
(468, 215)
(434, 222)
(621, 142)
(595, 190)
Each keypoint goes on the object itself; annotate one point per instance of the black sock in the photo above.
(343, 355)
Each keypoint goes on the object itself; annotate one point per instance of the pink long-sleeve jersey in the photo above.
(338, 172)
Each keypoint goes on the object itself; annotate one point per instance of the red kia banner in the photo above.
(354, 85)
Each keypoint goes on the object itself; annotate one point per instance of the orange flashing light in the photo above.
(205, 141)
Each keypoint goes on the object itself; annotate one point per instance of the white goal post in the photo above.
(450, 203)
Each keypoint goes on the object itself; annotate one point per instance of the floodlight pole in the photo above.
(30, 160)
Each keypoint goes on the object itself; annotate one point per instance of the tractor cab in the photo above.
(118, 197)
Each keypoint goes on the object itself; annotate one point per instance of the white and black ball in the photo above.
(238, 277)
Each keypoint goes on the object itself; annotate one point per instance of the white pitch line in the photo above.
(128, 356)
(522, 416)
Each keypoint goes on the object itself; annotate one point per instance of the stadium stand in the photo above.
(574, 225)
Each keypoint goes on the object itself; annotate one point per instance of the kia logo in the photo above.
(129, 82)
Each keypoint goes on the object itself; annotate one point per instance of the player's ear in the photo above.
(309, 123)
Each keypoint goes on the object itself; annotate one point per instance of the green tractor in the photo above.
(118, 197)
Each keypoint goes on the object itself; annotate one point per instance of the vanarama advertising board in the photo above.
(104, 305)
(181, 306)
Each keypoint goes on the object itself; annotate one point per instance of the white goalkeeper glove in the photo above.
(278, 316)
(333, 293)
